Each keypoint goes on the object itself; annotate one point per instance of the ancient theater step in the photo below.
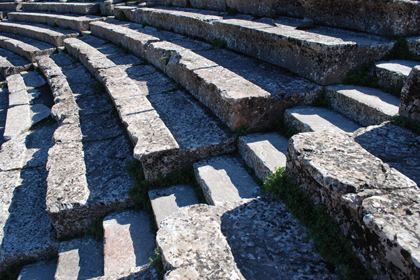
(41, 32)
(78, 23)
(62, 8)
(224, 179)
(310, 119)
(86, 166)
(367, 106)
(24, 46)
(240, 90)
(170, 128)
(265, 153)
(323, 55)
(11, 63)
(394, 72)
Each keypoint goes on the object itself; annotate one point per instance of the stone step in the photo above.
(86, 166)
(62, 8)
(265, 153)
(75, 22)
(165, 139)
(414, 44)
(11, 63)
(323, 55)
(224, 179)
(375, 203)
(129, 242)
(367, 106)
(169, 200)
(240, 90)
(41, 32)
(24, 46)
(8, 6)
(310, 119)
(394, 72)
(44, 270)
(257, 240)
(80, 258)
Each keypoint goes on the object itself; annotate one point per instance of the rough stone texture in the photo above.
(414, 44)
(263, 152)
(44, 270)
(232, 245)
(79, 23)
(367, 106)
(394, 72)
(11, 63)
(225, 179)
(321, 49)
(17, 90)
(80, 259)
(375, 205)
(63, 8)
(33, 79)
(50, 35)
(18, 120)
(262, 8)
(310, 119)
(217, 5)
(11, 6)
(168, 200)
(129, 242)
(410, 96)
(377, 16)
(26, 47)
(394, 145)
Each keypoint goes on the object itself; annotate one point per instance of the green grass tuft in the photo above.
(406, 123)
(96, 231)
(322, 101)
(122, 17)
(401, 51)
(219, 44)
(157, 264)
(281, 127)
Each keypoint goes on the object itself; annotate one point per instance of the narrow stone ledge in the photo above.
(63, 8)
(357, 189)
(11, 64)
(393, 72)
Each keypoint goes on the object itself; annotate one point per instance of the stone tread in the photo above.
(76, 22)
(394, 72)
(265, 153)
(64, 8)
(183, 138)
(322, 49)
(311, 119)
(41, 32)
(224, 179)
(367, 106)
(240, 90)
(11, 63)
(24, 46)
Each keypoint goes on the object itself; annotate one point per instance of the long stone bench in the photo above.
(323, 55)
(11, 63)
(375, 205)
(63, 8)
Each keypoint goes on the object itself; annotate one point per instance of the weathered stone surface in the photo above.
(12, 153)
(11, 63)
(25, 230)
(263, 152)
(414, 44)
(168, 200)
(322, 162)
(10, 6)
(224, 179)
(410, 96)
(50, 35)
(33, 79)
(263, 8)
(44, 270)
(310, 119)
(217, 5)
(38, 112)
(393, 72)
(367, 106)
(18, 120)
(79, 23)
(129, 242)
(63, 8)
(394, 145)
(80, 259)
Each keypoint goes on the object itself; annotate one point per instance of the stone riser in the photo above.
(63, 8)
(29, 51)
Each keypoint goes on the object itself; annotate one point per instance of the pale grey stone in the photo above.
(393, 72)
(129, 242)
(18, 120)
(80, 259)
(33, 79)
(17, 98)
(12, 153)
(79, 23)
(376, 203)
(410, 96)
(44, 270)
(367, 106)
(265, 153)
(63, 8)
(11, 63)
(414, 44)
(15, 83)
(168, 200)
(41, 32)
(310, 119)
(224, 179)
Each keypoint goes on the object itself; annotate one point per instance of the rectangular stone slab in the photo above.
(62, 8)
(11, 63)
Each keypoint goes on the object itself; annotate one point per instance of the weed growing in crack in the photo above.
(12, 272)
(406, 123)
(219, 44)
(122, 17)
(232, 12)
(329, 241)
(322, 101)
(96, 231)
(401, 51)
(281, 127)
(241, 131)
(98, 87)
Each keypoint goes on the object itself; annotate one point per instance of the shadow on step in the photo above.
(4, 101)
(398, 147)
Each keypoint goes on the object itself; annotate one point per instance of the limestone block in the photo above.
(63, 8)
(18, 120)
(216, 5)
(393, 72)
(259, 8)
(410, 96)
